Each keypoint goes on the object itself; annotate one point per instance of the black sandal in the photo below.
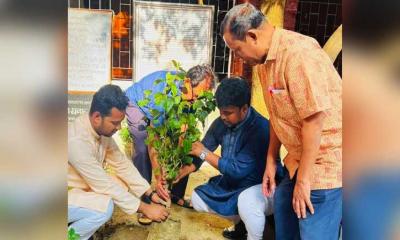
(186, 203)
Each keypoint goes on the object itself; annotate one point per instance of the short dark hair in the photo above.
(240, 19)
(106, 98)
(197, 74)
(234, 91)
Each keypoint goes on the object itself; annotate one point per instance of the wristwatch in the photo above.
(203, 154)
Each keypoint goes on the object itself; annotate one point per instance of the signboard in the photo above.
(78, 104)
(167, 31)
(89, 49)
(89, 57)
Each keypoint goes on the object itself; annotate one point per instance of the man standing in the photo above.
(92, 191)
(198, 79)
(302, 91)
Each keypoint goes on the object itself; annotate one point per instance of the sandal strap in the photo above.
(151, 195)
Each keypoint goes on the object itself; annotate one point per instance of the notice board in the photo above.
(89, 57)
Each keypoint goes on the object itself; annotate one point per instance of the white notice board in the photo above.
(89, 49)
(167, 31)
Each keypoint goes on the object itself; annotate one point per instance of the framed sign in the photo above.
(169, 31)
(89, 49)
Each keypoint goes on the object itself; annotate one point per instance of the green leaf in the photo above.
(174, 90)
(159, 99)
(172, 174)
(147, 93)
(187, 160)
(187, 145)
(182, 105)
(197, 104)
(159, 81)
(155, 113)
(174, 124)
(176, 64)
(72, 235)
(181, 75)
(143, 103)
(192, 120)
(168, 104)
(177, 100)
(170, 78)
(206, 94)
(156, 121)
(157, 144)
(150, 136)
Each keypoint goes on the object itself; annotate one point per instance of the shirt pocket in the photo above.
(283, 105)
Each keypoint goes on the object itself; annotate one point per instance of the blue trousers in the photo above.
(323, 224)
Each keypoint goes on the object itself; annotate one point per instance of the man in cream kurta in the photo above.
(93, 190)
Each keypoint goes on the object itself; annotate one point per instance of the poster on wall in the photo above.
(89, 56)
(169, 31)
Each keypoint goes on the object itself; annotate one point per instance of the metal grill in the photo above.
(319, 19)
(123, 35)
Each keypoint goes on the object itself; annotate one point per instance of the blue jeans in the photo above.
(323, 224)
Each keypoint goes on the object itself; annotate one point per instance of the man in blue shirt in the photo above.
(198, 79)
(244, 138)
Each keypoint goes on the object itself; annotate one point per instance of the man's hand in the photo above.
(156, 199)
(268, 183)
(197, 148)
(311, 138)
(184, 171)
(154, 212)
(301, 198)
(160, 189)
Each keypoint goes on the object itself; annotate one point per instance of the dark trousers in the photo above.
(141, 160)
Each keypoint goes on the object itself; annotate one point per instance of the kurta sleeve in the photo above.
(210, 141)
(125, 170)
(240, 166)
(81, 156)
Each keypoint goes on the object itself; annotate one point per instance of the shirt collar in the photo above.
(273, 49)
(237, 127)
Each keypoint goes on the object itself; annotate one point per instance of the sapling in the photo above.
(172, 138)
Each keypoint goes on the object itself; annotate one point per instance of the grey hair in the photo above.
(197, 74)
(240, 19)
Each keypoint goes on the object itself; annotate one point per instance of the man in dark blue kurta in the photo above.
(243, 135)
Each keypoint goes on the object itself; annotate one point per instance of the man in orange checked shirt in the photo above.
(302, 91)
